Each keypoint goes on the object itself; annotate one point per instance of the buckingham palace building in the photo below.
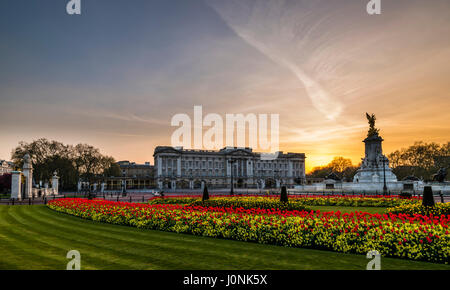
(178, 168)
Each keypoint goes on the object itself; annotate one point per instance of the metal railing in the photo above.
(145, 197)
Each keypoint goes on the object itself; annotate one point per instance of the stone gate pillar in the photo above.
(55, 183)
(16, 185)
(28, 173)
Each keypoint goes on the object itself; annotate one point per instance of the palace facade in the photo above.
(178, 168)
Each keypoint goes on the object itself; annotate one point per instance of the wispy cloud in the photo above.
(272, 30)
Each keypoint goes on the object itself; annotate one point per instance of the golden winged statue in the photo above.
(372, 130)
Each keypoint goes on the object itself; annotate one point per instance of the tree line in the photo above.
(421, 160)
(71, 162)
(341, 166)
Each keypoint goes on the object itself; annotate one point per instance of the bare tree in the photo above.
(73, 162)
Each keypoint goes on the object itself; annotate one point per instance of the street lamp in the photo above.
(384, 176)
(232, 161)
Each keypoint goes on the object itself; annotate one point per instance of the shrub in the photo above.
(205, 194)
(428, 199)
(5, 182)
(283, 195)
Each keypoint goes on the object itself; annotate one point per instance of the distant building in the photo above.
(178, 168)
(6, 167)
(312, 180)
(131, 169)
(133, 176)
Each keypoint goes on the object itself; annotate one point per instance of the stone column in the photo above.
(166, 172)
(79, 186)
(55, 183)
(290, 169)
(303, 171)
(16, 189)
(179, 166)
(159, 166)
(102, 187)
(28, 173)
(249, 168)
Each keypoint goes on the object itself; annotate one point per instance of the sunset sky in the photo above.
(114, 76)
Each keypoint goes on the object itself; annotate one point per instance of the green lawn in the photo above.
(35, 237)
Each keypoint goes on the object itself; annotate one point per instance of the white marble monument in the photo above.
(375, 166)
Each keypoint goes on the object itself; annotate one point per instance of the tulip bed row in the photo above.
(411, 209)
(295, 203)
(396, 235)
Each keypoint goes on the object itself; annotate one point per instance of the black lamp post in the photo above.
(232, 161)
(124, 187)
(384, 176)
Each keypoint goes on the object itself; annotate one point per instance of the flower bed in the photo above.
(411, 209)
(174, 200)
(411, 237)
(295, 203)
(358, 201)
(250, 202)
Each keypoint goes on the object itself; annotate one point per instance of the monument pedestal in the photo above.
(375, 166)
